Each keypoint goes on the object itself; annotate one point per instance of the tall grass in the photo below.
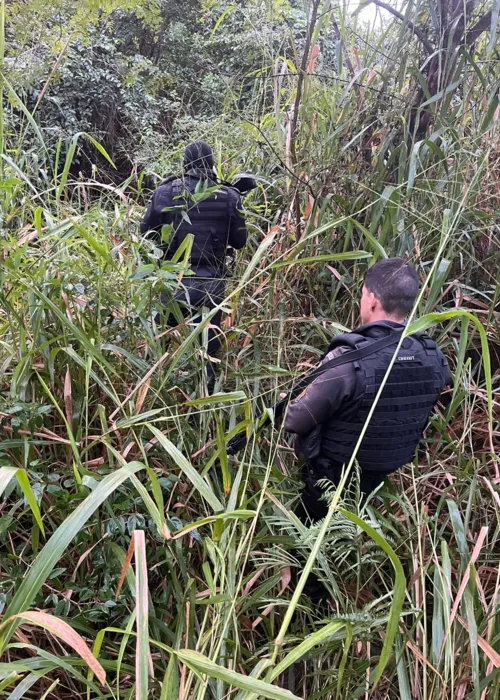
(139, 560)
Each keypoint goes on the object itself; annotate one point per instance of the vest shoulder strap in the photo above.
(361, 352)
(350, 356)
(351, 340)
(169, 180)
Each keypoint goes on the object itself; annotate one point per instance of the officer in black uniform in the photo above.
(329, 415)
(215, 220)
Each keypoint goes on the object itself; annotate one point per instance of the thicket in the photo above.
(138, 559)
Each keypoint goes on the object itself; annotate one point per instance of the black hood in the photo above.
(199, 156)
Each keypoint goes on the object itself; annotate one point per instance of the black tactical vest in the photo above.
(207, 220)
(413, 387)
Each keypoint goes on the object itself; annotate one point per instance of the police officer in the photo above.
(329, 415)
(216, 221)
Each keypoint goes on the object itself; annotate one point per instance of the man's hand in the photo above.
(283, 396)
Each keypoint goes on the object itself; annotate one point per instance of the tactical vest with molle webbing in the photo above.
(208, 221)
(412, 389)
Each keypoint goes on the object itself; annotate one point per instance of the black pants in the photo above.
(313, 507)
(196, 293)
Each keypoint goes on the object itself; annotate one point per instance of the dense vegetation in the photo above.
(125, 528)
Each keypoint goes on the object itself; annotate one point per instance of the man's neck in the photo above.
(376, 318)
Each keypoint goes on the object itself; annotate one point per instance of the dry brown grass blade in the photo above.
(143, 657)
(495, 495)
(423, 659)
(60, 629)
(465, 580)
(126, 564)
(492, 655)
(141, 396)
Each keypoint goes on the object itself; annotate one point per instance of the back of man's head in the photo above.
(395, 284)
(199, 156)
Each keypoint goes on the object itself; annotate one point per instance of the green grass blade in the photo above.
(327, 257)
(188, 469)
(142, 619)
(224, 14)
(311, 641)
(20, 104)
(21, 691)
(201, 664)
(98, 247)
(170, 685)
(24, 483)
(257, 257)
(221, 517)
(432, 319)
(218, 398)
(8, 473)
(377, 247)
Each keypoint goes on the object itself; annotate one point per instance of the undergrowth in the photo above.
(138, 559)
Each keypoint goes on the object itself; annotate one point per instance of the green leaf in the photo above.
(433, 319)
(370, 237)
(20, 104)
(20, 692)
(223, 460)
(294, 656)
(199, 663)
(218, 398)
(442, 93)
(459, 532)
(257, 257)
(412, 170)
(8, 473)
(327, 257)
(143, 271)
(187, 468)
(494, 24)
(98, 247)
(170, 685)
(229, 515)
(100, 148)
(490, 112)
(221, 18)
(69, 159)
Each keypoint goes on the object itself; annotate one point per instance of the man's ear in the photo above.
(374, 302)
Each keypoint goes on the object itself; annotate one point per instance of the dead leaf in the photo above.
(67, 634)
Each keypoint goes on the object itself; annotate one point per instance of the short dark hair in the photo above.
(395, 284)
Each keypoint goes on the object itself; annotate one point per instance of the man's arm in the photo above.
(237, 226)
(322, 398)
(447, 375)
(155, 217)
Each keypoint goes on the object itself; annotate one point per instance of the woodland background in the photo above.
(137, 559)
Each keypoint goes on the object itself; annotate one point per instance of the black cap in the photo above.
(199, 156)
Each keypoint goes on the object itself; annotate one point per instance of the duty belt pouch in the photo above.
(311, 445)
